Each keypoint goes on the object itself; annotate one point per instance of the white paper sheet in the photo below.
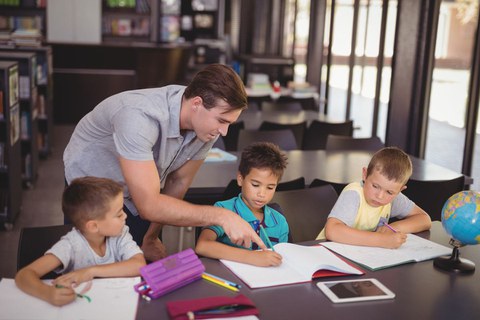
(111, 298)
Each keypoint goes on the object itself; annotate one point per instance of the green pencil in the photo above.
(266, 237)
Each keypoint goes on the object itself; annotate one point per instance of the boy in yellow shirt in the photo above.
(360, 215)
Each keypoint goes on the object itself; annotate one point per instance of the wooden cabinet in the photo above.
(84, 75)
(10, 163)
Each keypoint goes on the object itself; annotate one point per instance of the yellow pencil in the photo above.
(204, 276)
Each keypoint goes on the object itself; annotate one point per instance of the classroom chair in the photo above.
(231, 139)
(315, 137)
(272, 106)
(337, 143)
(298, 129)
(283, 138)
(432, 195)
(338, 187)
(34, 241)
(306, 210)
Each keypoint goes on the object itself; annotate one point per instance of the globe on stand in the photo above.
(461, 220)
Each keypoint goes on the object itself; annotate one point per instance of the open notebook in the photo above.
(299, 264)
(415, 249)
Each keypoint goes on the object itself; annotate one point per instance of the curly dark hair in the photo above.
(263, 155)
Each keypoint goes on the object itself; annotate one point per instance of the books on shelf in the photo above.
(415, 249)
(27, 37)
(299, 264)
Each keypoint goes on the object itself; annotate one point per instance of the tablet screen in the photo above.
(355, 290)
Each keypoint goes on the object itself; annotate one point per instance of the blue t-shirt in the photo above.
(274, 223)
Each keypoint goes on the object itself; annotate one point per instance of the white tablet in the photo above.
(355, 290)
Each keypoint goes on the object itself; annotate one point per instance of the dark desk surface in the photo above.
(332, 166)
(422, 292)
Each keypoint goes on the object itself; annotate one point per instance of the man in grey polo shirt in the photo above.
(157, 139)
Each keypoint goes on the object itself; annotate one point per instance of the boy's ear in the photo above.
(364, 173)
(239, 179)
(91, 226)
(403, 188)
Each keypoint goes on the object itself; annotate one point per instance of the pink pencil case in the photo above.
(165, 275)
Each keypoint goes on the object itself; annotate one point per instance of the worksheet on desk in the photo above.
(111, 298)
(415, 249)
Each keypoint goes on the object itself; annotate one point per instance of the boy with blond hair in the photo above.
(98, 246)
(361, 214)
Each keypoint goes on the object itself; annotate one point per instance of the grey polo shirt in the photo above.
(136, 125)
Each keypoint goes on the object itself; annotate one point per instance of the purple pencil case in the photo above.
(165, 275)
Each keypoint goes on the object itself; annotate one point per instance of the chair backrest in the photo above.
(336, 142)
(232, 189)
(281, 106)
(34, 241)
(337, 186)
(432, 195)
(306, 210)
(306, 102)
(231, 139)
(283, 138)
(315, 137)
(298, 129)
(255, 103)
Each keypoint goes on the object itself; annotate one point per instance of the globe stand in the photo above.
(454, 263)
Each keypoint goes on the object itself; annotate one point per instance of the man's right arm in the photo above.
(143, 184)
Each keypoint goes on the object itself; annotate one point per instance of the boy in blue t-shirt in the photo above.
(261, 167)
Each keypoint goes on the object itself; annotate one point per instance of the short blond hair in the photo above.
(392, 163)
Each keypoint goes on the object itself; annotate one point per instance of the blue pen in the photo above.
(266, 237)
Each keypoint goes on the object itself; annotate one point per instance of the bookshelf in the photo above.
(44, 102)
(155, 21)
(19, 16)
(203, 19)
(10, 145)
(126, 20)
(28, 94)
